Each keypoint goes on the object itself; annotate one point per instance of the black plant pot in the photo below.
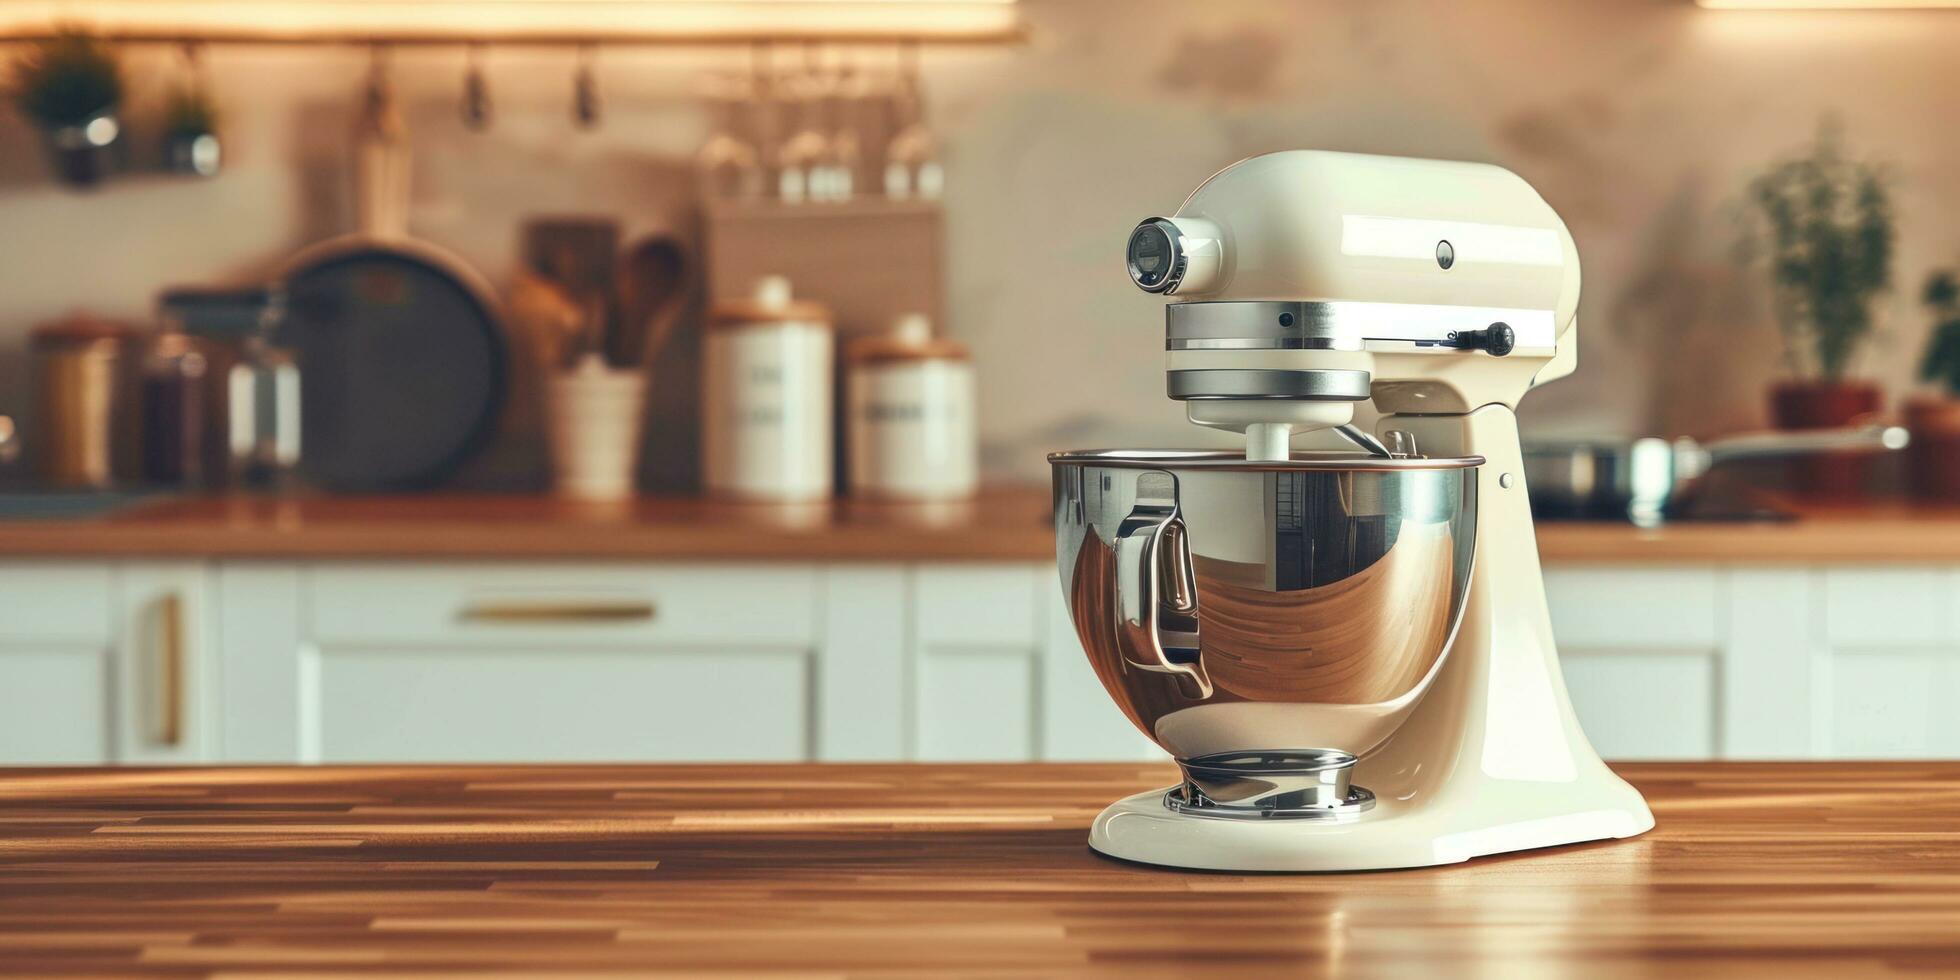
(85, 153)
(193, 154)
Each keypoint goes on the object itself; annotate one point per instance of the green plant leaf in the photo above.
(1823, 227)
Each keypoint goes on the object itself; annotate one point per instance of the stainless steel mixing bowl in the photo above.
(1234, 607)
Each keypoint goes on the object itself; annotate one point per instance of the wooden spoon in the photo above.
(652, 284)
(549, 319)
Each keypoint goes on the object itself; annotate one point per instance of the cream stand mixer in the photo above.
(1348, 653)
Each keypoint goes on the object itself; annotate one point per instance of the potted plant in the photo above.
(190, 133)
(1822, 226)
(1935, 419)
(70, 86)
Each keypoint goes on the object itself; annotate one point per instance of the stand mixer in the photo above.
(1348, 653)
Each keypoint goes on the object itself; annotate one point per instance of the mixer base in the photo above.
(1395, 834)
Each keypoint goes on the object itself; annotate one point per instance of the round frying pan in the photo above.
(401, 353)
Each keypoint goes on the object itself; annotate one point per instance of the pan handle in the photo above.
(1766, 445)
(381, 163)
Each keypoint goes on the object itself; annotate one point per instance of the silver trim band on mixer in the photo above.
(1252, 383)
(1257, 325)
(1340, 324)
(1256, 343)
(1202, 459)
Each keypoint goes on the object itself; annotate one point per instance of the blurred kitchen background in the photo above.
(554, 379)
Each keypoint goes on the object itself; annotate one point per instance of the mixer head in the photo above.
(1307, 281)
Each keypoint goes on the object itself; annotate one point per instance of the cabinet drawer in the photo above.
(1634, 608)
(444, 604)
(1889, 607)
(55, 601)
(978, 605)
(431, 704)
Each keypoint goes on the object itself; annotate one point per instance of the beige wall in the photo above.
(1638, 119)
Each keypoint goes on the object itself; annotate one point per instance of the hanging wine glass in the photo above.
(800, 161)
(728, 165)
(844, 92)
(912, 167)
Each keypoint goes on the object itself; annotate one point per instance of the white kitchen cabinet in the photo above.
(976, 650)
(168, 690)
(1751, 662)
(261, 649)
(432, 662)
(861, 695)
(581, 702)
(1640, 653)
(1893, 664)
(106, 662)
(428, 662)
(409, 661)
(998, 674)
(57, 663)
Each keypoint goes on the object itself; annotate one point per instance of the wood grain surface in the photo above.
(1754, 870)
(1008, 524)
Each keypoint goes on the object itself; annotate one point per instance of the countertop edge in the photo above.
(1002, 526)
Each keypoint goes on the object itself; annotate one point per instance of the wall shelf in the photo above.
(520, 23)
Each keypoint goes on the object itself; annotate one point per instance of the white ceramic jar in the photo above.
(911, 409)
(766, 397)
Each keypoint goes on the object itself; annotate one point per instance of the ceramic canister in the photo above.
(911, 411)
(766, 396)
(596, 414)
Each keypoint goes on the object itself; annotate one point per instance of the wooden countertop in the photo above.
(1885, 534)
(1003, 525)
(1000, 525)
(1779, 870)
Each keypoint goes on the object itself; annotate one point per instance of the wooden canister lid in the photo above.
(770, 303)
(883, 350)
(80, 329)
(910, 339)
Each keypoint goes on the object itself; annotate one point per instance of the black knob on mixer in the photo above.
(1498, 338)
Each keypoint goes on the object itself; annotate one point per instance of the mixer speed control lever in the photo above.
(1498, 339)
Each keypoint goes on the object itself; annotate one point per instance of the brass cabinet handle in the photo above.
(170, 670)
(557, 611)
